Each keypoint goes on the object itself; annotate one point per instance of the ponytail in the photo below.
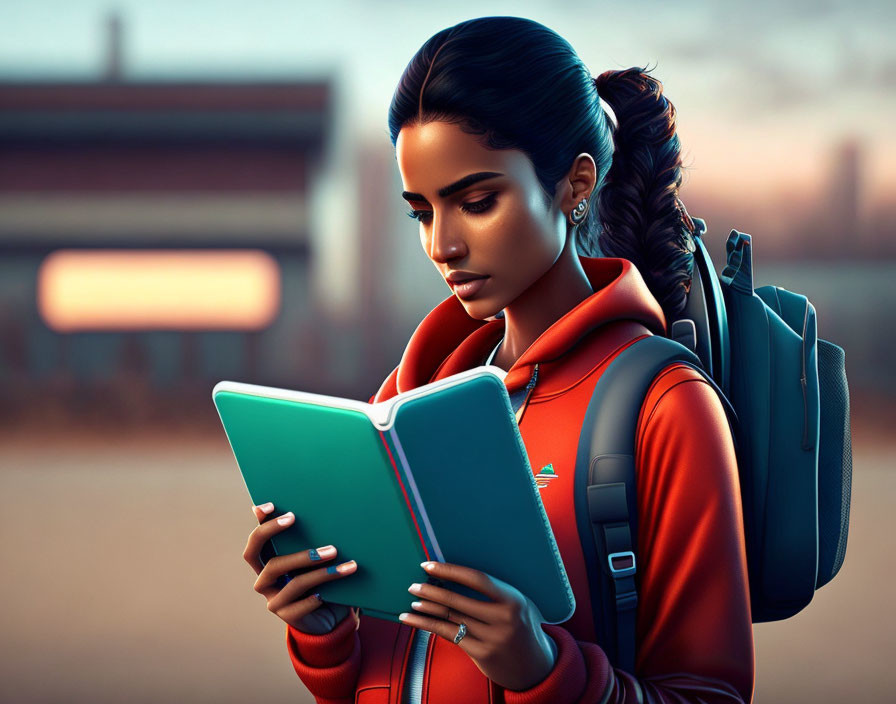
(641, 216)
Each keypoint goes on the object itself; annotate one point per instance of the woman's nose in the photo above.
(445, 243)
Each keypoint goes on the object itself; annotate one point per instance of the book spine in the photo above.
(411, 494)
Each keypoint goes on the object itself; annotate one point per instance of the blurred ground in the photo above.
(123, 581)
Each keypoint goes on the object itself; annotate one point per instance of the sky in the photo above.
(764, 90)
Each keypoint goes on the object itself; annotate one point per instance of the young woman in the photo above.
(515, 173)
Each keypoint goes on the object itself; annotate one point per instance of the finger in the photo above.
(278, 566)
(261, 534)
(444, 629)
(263, 511)
(480, 581)
(482, 610)
(445, 613)
(299, 586)
(294, 612)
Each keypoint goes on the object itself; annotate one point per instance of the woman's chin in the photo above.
(480, 309)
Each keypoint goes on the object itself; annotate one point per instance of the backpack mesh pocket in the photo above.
(834, 461)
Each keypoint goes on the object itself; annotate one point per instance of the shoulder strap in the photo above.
(606, 506)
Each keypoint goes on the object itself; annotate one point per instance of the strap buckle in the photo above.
(622, 564)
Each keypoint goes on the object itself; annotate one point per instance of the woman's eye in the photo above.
(420, 215)
(479, 206)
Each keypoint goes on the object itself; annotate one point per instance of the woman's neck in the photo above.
(558, 291)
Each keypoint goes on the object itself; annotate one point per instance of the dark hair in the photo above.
(519, 85)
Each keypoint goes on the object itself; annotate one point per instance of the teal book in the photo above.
(437, 473)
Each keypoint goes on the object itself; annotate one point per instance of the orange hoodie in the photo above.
(694, 631)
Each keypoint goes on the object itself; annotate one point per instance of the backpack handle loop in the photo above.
(738, 273)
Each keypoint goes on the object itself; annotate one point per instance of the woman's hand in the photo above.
(291, 601)
(504, 636)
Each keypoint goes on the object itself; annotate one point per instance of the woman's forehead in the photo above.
(435, 154)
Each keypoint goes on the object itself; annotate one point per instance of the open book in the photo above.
(437, 473)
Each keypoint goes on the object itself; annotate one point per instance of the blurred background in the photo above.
(192, 192)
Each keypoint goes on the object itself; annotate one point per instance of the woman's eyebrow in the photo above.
(459, 185)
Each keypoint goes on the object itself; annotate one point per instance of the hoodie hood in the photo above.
(448, 340)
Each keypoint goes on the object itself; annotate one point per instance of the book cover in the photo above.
(436, 473)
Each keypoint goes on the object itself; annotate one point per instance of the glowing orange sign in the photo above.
(158, 289)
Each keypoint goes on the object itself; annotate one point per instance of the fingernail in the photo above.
(414, 588)
(286, 518)
(324, 553)
(266, 508)
(427, 565)
(317, 596)
(402, 616)
(416, 604)
(344, 568)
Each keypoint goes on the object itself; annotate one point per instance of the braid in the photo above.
(641, 216)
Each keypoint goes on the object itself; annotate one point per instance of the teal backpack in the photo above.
(786, 397)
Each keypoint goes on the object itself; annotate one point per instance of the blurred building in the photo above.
(159, 236)
(140, 169)
(844, 187)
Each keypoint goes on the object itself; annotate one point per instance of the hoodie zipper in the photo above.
(529, 387)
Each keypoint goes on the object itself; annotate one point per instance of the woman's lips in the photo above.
(468, 289)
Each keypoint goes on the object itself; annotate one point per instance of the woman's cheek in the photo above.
(532, 242)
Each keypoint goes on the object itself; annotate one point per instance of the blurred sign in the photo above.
(158, 289)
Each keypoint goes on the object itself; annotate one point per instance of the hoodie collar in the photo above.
(449, 341)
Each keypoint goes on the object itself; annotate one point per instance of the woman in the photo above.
(514, 171)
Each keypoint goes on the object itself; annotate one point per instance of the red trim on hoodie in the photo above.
(694, 631)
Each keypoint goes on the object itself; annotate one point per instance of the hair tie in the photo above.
(607, 108)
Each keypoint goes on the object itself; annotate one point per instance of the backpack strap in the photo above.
(605, 501)
(709, 306)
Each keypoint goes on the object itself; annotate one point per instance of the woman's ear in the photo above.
(579, 182)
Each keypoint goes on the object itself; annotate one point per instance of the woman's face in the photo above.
(482, 213)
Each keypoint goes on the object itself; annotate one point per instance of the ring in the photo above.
(461, 632)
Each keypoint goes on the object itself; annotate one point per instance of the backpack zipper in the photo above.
(804, 381)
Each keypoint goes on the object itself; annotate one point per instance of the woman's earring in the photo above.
(577, 214)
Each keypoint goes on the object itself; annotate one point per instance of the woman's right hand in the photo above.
(291, 603)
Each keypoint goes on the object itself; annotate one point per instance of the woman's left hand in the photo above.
(504, 636)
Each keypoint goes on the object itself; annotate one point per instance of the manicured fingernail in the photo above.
(428, 565)
(324, 553)
(317, 596)
(414, 588)
(266, 508)
(286, 518)
(416, 604)
(344, 568)
(403, 616)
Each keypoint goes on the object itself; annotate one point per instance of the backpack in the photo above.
(785, 394)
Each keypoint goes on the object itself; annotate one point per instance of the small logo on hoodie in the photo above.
(545, 476)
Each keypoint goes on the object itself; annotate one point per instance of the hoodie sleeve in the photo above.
(328, 664)
(694, 632)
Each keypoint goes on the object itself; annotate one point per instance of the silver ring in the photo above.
(461, 632)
